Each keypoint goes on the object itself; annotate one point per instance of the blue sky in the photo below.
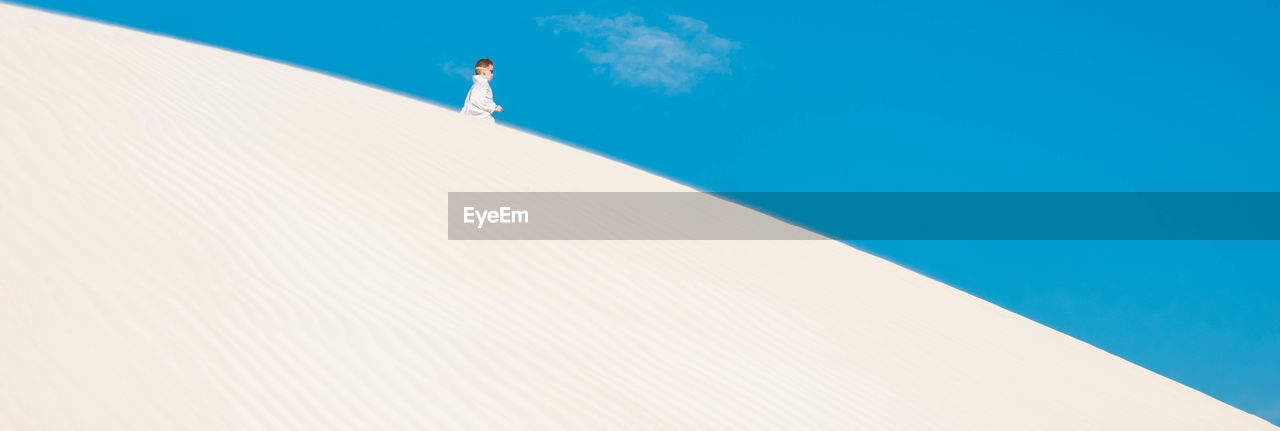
(879, 96)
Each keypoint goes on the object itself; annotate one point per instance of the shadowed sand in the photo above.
(196, 239)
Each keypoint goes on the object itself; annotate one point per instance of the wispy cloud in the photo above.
(637, 54)
(455, 69)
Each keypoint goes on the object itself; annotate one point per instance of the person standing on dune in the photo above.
(479, 102)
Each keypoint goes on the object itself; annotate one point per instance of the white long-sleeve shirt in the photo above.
(479, 102)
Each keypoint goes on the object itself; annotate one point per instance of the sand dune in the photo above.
(197, 239)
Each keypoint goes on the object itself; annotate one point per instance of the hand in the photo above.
(498, 108)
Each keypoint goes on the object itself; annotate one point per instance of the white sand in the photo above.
(197, 239)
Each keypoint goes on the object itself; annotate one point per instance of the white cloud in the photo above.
(460, 70)
(638, 54)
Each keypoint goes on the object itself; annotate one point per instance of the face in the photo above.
(487, 73)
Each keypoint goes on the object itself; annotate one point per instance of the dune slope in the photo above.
(197, 239)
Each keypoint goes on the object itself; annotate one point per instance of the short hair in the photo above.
(483, 63)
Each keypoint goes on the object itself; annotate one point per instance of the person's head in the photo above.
(484, 68)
